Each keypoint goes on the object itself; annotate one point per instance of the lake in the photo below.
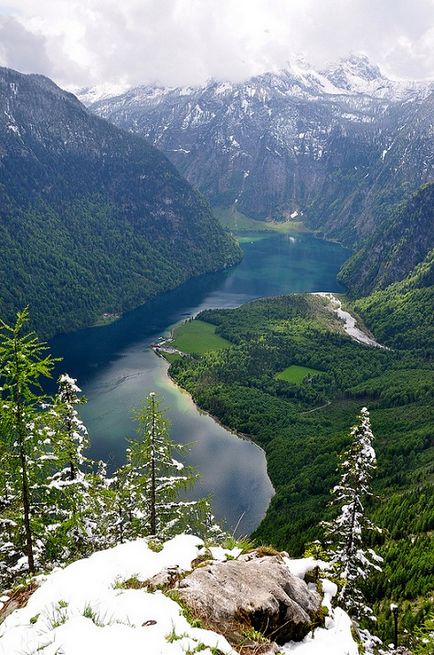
(117, 369)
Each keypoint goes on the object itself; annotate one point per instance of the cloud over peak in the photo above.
(179, 42)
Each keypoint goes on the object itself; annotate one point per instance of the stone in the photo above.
(166, 578)
(256, 593)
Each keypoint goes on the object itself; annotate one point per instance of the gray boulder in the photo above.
(252, 594)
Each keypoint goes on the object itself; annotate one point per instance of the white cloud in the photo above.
(85, 42)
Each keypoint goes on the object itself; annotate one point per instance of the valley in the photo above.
(271, 240)
(293, 381)
(116, 368)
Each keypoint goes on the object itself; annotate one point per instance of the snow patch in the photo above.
(299, 567)
(87, 608)
(335, 639)
(84, 608)
(222, 554)
(89, 95)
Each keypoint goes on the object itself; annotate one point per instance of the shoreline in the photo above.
(350, 328)
(233, 433)
(240, 435)
(114, 317)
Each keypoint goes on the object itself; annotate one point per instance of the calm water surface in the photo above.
(116, 369)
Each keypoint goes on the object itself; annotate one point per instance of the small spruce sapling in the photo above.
(149, 485)
(346, 534)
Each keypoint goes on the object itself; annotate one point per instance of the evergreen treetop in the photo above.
(346, 534)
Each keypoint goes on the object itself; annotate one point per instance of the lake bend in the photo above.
(116, 369)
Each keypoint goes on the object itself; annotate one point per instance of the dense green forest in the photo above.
(402, 314)
(303, 428)
(93, 220)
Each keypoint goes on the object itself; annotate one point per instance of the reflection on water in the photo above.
(116, 368)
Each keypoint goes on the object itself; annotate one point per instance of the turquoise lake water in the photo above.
(116, 368)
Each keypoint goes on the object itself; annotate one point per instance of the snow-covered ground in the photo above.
(86, 609)
(350, 323)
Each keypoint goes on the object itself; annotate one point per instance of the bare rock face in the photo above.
(256, 593)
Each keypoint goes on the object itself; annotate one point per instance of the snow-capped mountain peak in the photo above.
(89, 95)
(283, 140)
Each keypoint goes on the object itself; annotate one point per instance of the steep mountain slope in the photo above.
(92, 219)
(401, 314)
(393, 271)
(403, 241)
(333, 144)
(404, 143)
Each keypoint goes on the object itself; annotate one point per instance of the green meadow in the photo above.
(296, 374)
(198, 337)
(234, 221)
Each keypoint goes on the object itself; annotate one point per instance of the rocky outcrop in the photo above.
(252, 597)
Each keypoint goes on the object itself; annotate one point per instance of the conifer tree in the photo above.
(346, 534)
(74, 485)
(23, 361)
(72, 433)
(148, 486)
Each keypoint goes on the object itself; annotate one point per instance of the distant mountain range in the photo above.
(336, 144)
(93, 220)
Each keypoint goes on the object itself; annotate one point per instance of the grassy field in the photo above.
(250, 238)
(171, 357)
(198, 337)
(235, 221)
(296, 374)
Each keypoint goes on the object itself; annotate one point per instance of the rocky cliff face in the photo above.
(333, 144)
(92, 219)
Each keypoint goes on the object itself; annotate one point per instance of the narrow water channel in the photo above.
(116, 368)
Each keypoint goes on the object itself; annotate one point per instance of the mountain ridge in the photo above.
(296, 140)
(121, 222)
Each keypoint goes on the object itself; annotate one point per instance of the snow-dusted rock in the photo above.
(104, 605)
(259, 592)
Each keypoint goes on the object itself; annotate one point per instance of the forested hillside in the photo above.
(92, 220)
(401, 241)
(301, 420)
(402, 314)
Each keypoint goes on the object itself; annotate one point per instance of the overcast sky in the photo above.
(177, 42)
